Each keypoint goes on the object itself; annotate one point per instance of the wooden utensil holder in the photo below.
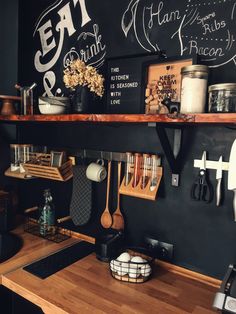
(138, 191)
(46, 171)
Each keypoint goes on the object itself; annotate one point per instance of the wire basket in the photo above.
(33, 227)
(132, 266)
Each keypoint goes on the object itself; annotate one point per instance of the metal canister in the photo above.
(222, 97)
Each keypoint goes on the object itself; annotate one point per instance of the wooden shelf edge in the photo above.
(208, 118)
(77, 235)
(17, 174)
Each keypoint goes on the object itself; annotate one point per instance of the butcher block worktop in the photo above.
(87, 286)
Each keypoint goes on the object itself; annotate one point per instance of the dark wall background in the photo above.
(9, 46)
(203, 234)
(8, 78)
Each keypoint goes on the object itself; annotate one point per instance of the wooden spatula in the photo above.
(118, 220)
(106, 219)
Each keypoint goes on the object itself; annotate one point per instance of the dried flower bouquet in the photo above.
(78, 73)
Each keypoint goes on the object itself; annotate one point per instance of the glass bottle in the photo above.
(47, 215)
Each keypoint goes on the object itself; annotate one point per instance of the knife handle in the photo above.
(234, 204)
(218, 192)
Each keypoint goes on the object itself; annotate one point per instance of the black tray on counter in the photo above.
(53, 263)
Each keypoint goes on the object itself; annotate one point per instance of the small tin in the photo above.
(222, 97)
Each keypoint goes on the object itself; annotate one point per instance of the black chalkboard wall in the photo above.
(50, 33)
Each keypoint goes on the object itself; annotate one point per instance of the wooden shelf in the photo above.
(209, 118)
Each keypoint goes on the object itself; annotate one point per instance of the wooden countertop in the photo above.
(33, 248)
(87, 286)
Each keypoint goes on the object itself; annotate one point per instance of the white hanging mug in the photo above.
(96, 171)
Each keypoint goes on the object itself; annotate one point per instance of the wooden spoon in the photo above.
(106, 219)
(118, 220)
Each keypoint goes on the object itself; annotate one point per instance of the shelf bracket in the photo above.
(173, 154)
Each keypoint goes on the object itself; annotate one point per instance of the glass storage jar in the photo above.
(20, 154)
(137, 169)
(128, 167)
(193, 88)
(222, 97)
(15, 157)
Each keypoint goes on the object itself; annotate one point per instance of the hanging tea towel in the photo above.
(81, 200)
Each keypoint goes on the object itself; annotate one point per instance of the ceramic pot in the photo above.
(81, 100)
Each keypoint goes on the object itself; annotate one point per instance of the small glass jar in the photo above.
(128, 167)
(222, 97)
(193, 88)
(137, 169)
(15, 157)
(145, 170)
(154, 166)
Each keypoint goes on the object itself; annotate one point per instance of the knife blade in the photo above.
(232, 174)
(218, 179)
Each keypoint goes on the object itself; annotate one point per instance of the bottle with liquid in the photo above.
(145, 170)
(47, 215)
(137, 169)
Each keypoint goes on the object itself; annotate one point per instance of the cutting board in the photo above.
(81, 200)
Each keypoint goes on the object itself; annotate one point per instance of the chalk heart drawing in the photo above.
(53, 35)
(206, 28)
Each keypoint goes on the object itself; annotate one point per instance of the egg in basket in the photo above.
(131, 266)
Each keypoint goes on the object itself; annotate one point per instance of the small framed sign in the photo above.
(57, 158)
(162, 82)
(124, 83)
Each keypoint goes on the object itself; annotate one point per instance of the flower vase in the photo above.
(81, 99)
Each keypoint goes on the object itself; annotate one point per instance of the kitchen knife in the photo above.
(232, 174)
(218, 179)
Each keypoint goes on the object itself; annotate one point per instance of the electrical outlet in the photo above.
(161, 250)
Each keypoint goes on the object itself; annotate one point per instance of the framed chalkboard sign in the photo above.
(124, 83)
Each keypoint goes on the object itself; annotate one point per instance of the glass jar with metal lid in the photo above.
(222, 97)
(194, 80)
